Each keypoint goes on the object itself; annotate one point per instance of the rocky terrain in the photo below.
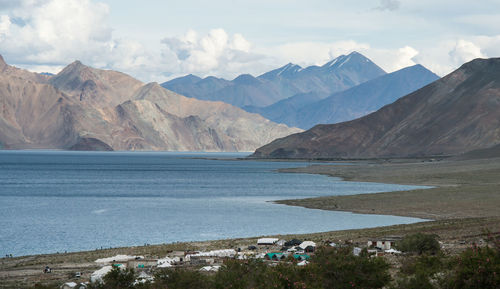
(91, 109)
(456, 114)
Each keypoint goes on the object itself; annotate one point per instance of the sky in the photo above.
(156, 40)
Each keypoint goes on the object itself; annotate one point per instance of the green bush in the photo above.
(419, 243)
(424, 265)
(243, 274)
(116, 279)
(180, 279)
(339, 268)
(477, 267)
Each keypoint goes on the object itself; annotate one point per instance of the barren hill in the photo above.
(91, 109)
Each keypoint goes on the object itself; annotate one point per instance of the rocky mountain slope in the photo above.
(456, 114)
(245, 90)
(305, 111)
(85, 108)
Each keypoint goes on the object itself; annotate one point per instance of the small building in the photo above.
(267, 241)
(383, 243)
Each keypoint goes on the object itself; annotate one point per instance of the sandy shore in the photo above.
(462, 188)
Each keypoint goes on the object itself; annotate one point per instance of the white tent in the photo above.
(281, 243)
(306, 244)
(167, 262)
(97, 275)
(143, 278)
(118, 258)
(210, 268)
(68, 285)
(216, 253)
(267, 241)
(393, 251)
(303, 263)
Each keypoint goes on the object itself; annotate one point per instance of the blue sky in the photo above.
(156, 40)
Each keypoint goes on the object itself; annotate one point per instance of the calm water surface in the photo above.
(68, 201)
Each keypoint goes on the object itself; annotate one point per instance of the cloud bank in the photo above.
(46, 35)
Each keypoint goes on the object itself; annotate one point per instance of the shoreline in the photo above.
(458, 189)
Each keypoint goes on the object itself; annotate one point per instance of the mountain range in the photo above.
(91, 109)
(453, 115)
(308, 109)
(341, 73)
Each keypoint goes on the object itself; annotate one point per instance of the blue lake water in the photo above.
(52, 201)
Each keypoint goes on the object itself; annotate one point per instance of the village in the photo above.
(271, 251)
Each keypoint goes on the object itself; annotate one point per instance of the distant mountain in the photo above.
(306, 111)
(286, 110)
(84, 108)
(456, 114)
(245, 90)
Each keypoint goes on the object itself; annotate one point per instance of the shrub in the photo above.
(180, 279)
(419, 243)
(339, 268)
(424, 265)
(116, 279)
(243, 274)
(476, 267)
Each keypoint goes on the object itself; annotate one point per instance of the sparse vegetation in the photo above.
(419, 243)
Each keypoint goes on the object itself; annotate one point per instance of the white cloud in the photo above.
(50, 34)
(314, 53)
(449, 54)
(46, 35)
(393, 59)
(57, 31)
(4, 26)
(465, 51)
(214, 53)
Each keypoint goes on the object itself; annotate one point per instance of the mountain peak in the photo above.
(245, 79)
(353, 57)
(77, 64)
(481, 64)
(284, 71)
(76, 67)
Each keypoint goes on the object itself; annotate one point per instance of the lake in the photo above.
(56, 201)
